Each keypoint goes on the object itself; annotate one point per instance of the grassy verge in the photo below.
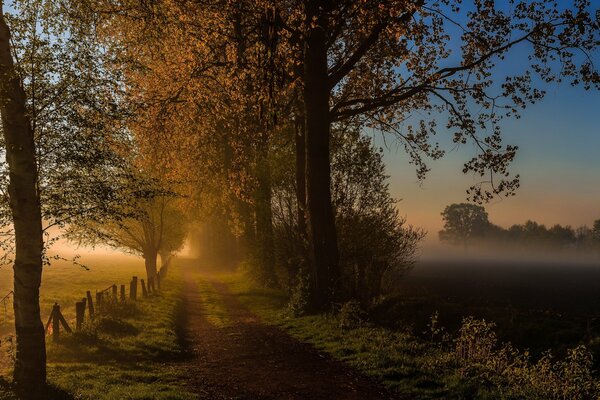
(397, 359)
(472, 364)
(130, 350)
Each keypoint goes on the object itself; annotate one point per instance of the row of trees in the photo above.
(466, 223)
(252, 113)
(72, 170)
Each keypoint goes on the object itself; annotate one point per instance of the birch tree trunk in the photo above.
(30, 363)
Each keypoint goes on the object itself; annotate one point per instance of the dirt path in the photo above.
(251, 360)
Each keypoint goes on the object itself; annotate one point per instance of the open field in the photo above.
(202, 335)
(129, 352)
(535, 305)
(66, 283)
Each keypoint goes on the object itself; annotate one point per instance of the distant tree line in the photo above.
(466, 224)
(126, 119)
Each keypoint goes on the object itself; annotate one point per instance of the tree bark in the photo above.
(165, 259)
(30, 363)
(150, 263)
(302, 234)
(321, 223)
(301, 175)
(264, 219)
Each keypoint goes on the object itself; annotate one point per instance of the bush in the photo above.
(351, 315)
(299, 295)
(376, 245)
(476, 341)
(479, 355)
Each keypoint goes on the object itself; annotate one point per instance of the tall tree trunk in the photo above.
(150, 256)
(321, 223)
(300, 244)
(30, 363)
(165, 258)
(264, 218)
(301, 173)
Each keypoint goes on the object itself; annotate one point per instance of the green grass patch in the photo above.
(465, 366)
(129, 351)
(212, 304)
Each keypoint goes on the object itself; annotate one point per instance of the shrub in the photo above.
(479, 354)
(299, 295)
(351, 315)
(375, 243)
(476, 341)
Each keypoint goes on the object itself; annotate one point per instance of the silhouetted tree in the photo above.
(157, 226)
(463, 222)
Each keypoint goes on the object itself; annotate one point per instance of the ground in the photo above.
(214, 335)
(193, 340)
(247, 359)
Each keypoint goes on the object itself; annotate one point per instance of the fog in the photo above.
(540, 278)
(491, 252)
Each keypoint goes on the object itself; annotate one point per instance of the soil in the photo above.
(251, 360)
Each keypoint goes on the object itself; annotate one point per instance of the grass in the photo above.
(422, 368)
(130, 351)
(66, 283)
(212, 304)
(398, 359)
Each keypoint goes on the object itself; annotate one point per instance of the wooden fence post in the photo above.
(90, 303)
(133, 291)
(51, 320)
(114, 293)
(144, 291)
(57, 319)
(55, 323)
(79, 314)
(99, 300)
(123, 293)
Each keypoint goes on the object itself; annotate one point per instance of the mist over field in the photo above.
(299, 200)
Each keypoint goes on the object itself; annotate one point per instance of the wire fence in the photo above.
(89, 307)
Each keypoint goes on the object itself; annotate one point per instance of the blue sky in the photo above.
(558, 160)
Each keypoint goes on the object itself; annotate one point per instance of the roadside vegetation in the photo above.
(437, 363)
(130, 350)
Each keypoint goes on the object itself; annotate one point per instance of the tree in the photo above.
(463, 222)
(30, 362)
(376, 64)
(379, 62)
(193, 80)
(157, 228)
(596, 230)
(55, 76)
